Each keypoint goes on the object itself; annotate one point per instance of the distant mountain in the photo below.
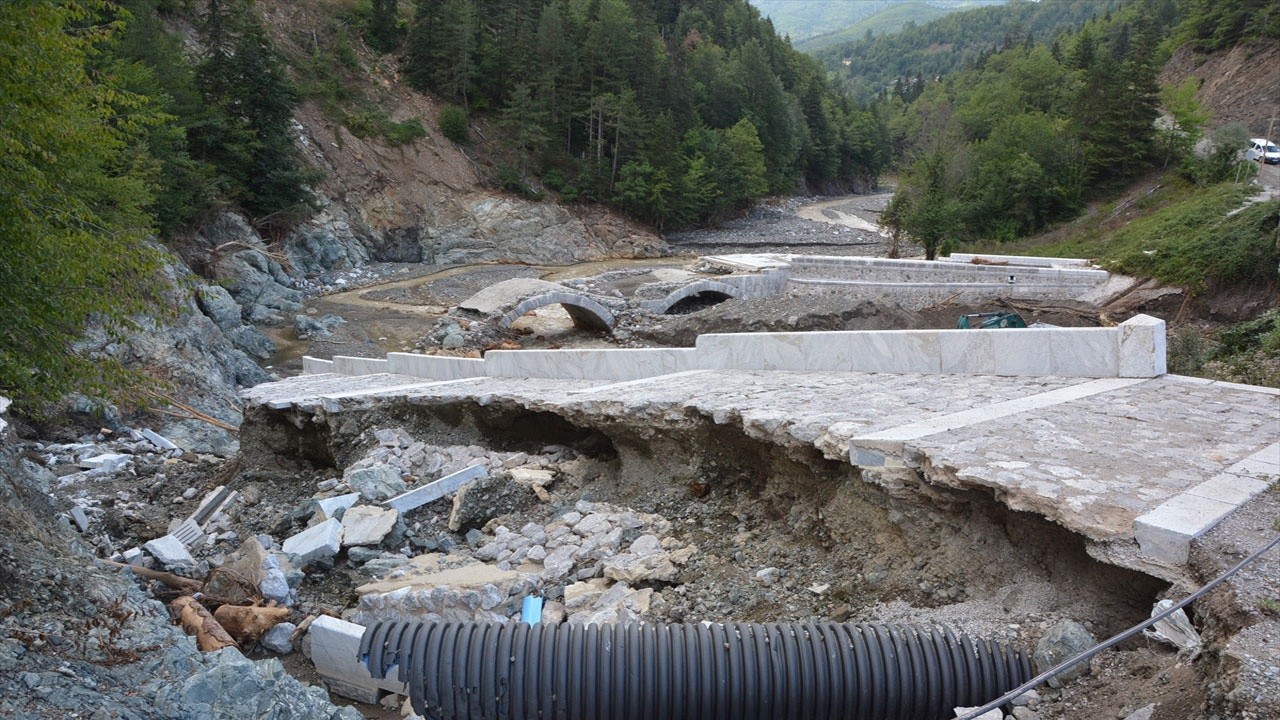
(805, 19)
(935, 48)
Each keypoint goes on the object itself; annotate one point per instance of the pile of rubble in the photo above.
(410, 530)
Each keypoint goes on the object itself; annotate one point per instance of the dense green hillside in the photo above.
(677, 113)
(869, 66)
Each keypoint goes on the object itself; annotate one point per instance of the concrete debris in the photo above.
(433, 491)
(81, 520)
(315, 543)
(367, 525)
(170, 553)
(105, 462)
(989, 715)
(334, 507)
(157, 439)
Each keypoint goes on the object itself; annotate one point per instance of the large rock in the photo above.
(1064, 640)
(488, 497)
(376, 483)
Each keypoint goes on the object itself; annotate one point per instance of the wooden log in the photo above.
(196, 620)
(247, 623)
(177, 582)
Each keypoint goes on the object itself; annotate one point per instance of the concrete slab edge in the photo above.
(1165, 533)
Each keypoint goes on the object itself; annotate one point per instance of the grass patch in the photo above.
(1185, 236)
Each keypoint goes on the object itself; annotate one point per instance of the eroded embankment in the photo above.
(750, 503)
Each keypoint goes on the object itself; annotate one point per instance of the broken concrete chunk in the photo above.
(316, 543)
(532, 476)
(376, 483)
(105, 462)
(332, 507)
(367, 525)
(82, 520)
(157, 439)
(433, 491)
(170, 552)
(632, 568)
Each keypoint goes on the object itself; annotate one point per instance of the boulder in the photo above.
(488, 497)
(1064, 640)
(376, 483)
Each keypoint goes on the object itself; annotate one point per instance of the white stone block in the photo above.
(435, 367)
(316, 542)
(1142, 347)
(367, 525)
(432, 491)
(1229, 488)
(170, 552)
(105, 462)
(335, 647)
(901, 351)
(157, 439)
(358, 366)
(329, 507)
(316, 366)
(1165, 534)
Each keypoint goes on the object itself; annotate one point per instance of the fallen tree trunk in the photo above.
(196, 620)
(247, 623)
(177, 582)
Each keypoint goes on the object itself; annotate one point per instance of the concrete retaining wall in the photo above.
(1135, 348)
(923, 271)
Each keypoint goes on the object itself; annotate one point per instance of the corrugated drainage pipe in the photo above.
(475, 671)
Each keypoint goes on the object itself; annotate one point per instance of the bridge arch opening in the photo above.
(586, 314)
(696, 296)
(697, 301)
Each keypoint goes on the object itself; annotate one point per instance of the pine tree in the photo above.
(247, 134)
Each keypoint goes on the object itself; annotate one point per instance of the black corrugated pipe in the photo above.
(813, 671)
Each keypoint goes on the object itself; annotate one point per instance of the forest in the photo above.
(678, 113)
(1025, 137)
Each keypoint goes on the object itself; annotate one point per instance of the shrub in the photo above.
(454, 124)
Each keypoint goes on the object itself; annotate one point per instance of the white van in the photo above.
(1263, 150)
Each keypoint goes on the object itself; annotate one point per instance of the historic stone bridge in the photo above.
(1079, 425)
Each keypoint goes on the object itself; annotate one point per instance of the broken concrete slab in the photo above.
(433, 491)
(81, 520)
(459, 578)
(367, 525)
(105, 462)
(170, 552)
(188, 532)
(157, 439)
(315, 543)
(331, 507)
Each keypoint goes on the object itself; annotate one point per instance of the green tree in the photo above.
(926, 206)
(246, 132)
(72, 216)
